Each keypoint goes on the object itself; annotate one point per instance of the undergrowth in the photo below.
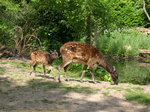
(123, 43)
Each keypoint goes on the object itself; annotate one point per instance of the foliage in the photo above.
(123, 42)
(27, 25)
(18, 25)
(8, 11)
(126, 13)
(148, 10)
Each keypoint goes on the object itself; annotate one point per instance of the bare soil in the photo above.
(16, 95)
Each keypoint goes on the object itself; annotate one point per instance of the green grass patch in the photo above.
(2, 70)
(4, 62)
(120, 89)
(24, 66)
(49, 85)
(105, 93)
(140, 97)
(134, 94)
(5, 91)
(73, 71)
(147, 60)
(132, 72)
(137, 89)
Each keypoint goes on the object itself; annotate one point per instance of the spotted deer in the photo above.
(85, 54)
(44, 58)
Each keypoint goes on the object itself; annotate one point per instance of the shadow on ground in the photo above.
(40, 95)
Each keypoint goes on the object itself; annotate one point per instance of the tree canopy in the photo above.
(47, 24)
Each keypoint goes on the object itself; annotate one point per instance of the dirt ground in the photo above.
(16, 95)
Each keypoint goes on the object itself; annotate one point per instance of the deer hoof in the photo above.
(66, 79)
(94, 82)
(81, 80)
(59, 81)
(114, 83)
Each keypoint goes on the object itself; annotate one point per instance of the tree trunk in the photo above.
(144, 8)
(97, 33)
(88, 30)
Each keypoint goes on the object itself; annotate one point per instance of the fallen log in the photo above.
(144, 64)
(142, 51)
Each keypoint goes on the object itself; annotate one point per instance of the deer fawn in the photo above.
(44, 58)
(85, 54)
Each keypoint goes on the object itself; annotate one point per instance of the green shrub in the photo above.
(123, 43)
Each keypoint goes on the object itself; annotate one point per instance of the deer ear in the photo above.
(50, 51)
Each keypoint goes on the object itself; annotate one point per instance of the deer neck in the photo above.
(108, 67)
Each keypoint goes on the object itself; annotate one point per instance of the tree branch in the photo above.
(144, 8)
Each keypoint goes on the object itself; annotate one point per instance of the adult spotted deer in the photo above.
(85, 54)
(44, 58)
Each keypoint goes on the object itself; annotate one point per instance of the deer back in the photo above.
(80, 52)
(42, 57)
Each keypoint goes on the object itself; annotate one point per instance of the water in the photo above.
(133, 71)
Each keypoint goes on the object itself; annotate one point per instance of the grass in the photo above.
(49, 85)
(147, 60)
(2, 70)
(140, 97)
(74, 70)
(105, 93)
(132, 72)
(137, 89)
(6, 92)
(23, 65)
(134, 94)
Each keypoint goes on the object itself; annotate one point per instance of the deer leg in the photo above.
(44, 71)
(34, 67)
(64, 64)
(83, 72)
(51, 69)
(65, 69)
(92, 72)
(33, 64)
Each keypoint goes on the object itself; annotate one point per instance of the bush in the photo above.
(123, 43)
